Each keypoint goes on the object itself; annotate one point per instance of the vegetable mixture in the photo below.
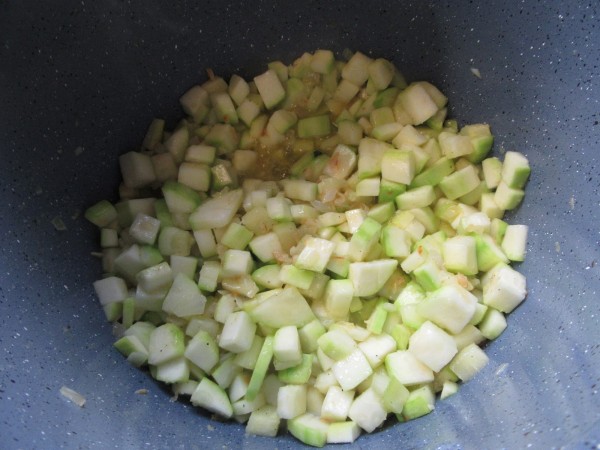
(319, 247)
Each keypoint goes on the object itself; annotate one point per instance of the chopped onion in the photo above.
(475, 71)
(73, 396)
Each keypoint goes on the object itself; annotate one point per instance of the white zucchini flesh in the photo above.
(361, 284)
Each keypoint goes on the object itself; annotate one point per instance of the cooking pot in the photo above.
(81, 80)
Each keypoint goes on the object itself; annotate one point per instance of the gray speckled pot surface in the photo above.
(92, 74)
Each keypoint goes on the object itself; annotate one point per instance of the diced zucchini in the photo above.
(515, 170)
(468, 362)
(209, 395)
(314, 126)
(167, 342)
(420, 402)
(367, 411)
(270, 88)
(309, 429)
(184, 299)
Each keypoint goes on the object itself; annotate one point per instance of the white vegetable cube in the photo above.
(379, 382)
(432, 346)
(468, 362)
(263, 421)
(265, 246)
(205, 239)
(218, 211)
(315, 255)
(185, 265)
(195, 102)
(225, 372)
(420, 401)
(184, 298)
(243, 407)
(394, 396)
(396, 242)
(449, 388)
(300, 189)
(507, 197)
(345, 91)
(292, 276)
(354, 219)
(286, 345)
(270, 88)
(325, 380)
(242, 285)
(278, 208)
(449, 307)
(336, 344)
(493, 324)
(377, 347)
(367, 410)
(248, 111)
(291, 401)
(336, 404)
(137, 170)
(416, 101)
(209, 276)
(238, 332)
(238, 89)
(398, 166)
(225, 306)
(175, 241)
(237, 262)
(203, 351)
(194, 175)
(460, 255)
(515, 170)
(454, 145)
(407, 369)
(474, 223)
(256, 198)
(314, 401)
(338, 297)
(309, 429)
(369, 277)
(342, 163)
(342, 432)
(323, 61)
(166, 342)
(469, 335)
(109, 238)
(503, 288)
(198, 324)
(238, 387)
(270, 388)
(282, 120)
(173, 371)
(356, 69)
(514, 242)
(369, 187)
(111, 290)
(201, 153)
(155, 278)
(212, 397)
(352, 370)
(381, 73)
(144, 229)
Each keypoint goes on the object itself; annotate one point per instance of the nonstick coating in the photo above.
(81, 80)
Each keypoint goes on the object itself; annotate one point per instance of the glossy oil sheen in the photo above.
(79, 83)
